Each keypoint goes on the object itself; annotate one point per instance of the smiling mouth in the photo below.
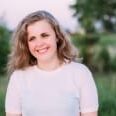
(43, 50)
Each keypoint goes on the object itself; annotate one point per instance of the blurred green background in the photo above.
(96, 42)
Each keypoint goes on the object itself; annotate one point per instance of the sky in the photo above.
(14, 11)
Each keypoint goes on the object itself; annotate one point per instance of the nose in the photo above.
(39, 42)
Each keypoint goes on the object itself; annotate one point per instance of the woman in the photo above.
(45, 80)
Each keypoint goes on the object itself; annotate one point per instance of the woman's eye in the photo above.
(44, 35)
(31, 38)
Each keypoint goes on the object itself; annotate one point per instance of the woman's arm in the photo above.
(12, 114)
(13, 96)
(89, 114)
(88, 94)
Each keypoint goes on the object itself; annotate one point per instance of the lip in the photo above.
(43, 50)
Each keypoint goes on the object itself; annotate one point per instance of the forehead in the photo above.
(40, 26)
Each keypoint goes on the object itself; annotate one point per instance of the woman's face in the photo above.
(42, 41)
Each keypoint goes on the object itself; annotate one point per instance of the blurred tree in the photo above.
(4, 46)
(90, 11)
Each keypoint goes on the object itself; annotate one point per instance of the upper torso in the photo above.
(55, 93)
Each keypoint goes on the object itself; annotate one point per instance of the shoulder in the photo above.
(22, 71)
(18, 74)
(79, 67)
(81, 73)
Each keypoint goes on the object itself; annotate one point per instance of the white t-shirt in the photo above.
(66, 91)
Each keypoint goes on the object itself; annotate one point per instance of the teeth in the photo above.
(42, 50)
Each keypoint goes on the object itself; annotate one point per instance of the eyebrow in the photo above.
(44, 33)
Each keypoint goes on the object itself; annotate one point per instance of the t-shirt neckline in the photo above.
(51, 71)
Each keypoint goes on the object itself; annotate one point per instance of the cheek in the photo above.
(53, 45)
(53, 42)
(31, 47)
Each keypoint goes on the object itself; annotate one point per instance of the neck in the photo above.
(50, 65)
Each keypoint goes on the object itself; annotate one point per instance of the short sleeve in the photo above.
(13, 95)
(88, 91)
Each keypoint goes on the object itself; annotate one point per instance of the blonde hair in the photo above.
(20, 56)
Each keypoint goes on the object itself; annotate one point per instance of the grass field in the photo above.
(106, 84)
(3, 86)
(108, 39)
